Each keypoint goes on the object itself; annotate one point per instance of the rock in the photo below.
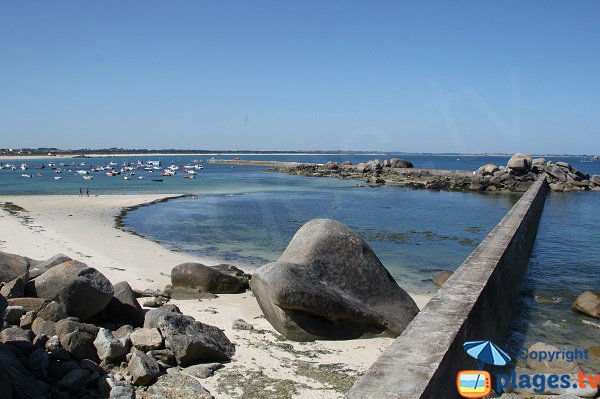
(400, 163)
(556, 172)
(207, 279)
(105, 385)
(520, 162)
(186, 387)
(18, 338)
(329, 284)
(30, 304)
(14, 288)
(37, 268)
(202, 371)
(556, 366)
(488, 169)
(564, 165)
(143, 368)
(83, 290)
(53, 311)
(152, 316)
(156, 302)
(442, 276)
(122, 392)
(347, 163)
(192, 341)
(240, 324)
(595, 180)
(41, 326)
(588, 303)
(13, 266)
(108, 347)
(538, 161)
(3, 306)
(27, 320)
(123, 332)
(78, 338)
(146, 339)
(37, 364)
(16, 381)
(13, 314)
(164, 356)
(124, 307)
(74, 380)
(361, 167)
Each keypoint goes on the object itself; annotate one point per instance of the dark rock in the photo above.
(3, 306)
(143, 368)
(53, 311)
(207, 279)
(564, 165)
(15, 378)
(37, 363)
(74, 381)
(442, 277)
(90, 366)
(400, 163)
(18, 338)
(78, 338)
(13, 266)
(192, 341)
(123, 392)
(520, 162)
(41, 326)
(40, 341)
(165, 356)
(124, 307)
(186, 387)
(83, 290)
(13, 314)
(588, 303)
(14, 288)
(30, 304)
(152, 316)
(37, 268)
(329, 284)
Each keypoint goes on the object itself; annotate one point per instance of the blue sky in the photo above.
(463, 76)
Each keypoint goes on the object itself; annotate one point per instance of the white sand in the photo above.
(83, 228)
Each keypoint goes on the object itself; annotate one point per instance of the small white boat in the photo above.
(82, 172)
(88, 177)
(26, 175)
(57, 177)
(141, 177)
(126, 178)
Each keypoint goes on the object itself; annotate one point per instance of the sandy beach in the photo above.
(84, 229)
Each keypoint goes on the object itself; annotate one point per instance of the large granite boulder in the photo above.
(400, 163)
(194, 342)
(13, 266)
(83, 290)
(488, 169)
(588, 303)
(124, 307)
(520, 162)
(38, 267)
(329, 284)
(207, 279)
(556, 172)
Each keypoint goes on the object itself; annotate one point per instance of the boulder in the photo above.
(538, 161)
(37, 268)
(207, 279)
(595, 180)
(520, 162)
(26, 321)
(556, 172)
(488, 169)
(152, 316)
(18, 338)
(588, 303)
(192, 341)
(13, 266)
(83, 290)
(124, 307)
(441, 277)
(187, 387)
(164, 356)
(400, 163)
(37, 363)
(122, 392)
(13, 314)
(3, 306)
(123, 332)
(564, 165)
(78, 338)
(361, 167)
(143, 368)
(74, 381)
(202, 371)
(41, 326)
(146, 339)
(329, 284)
(14, 288)
(53, 311)
(30, 304)
(108, 347)
(16, 381)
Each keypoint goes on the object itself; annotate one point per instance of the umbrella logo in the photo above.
(477, 383)
(486, 352)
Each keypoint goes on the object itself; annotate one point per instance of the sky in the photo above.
(460, 76)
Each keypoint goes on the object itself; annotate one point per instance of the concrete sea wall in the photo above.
(476, 303)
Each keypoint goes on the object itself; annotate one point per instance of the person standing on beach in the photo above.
(80, 192)
(87, 191)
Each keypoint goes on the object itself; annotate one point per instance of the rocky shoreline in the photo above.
(517, 176)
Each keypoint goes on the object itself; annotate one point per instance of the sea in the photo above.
(246, 216)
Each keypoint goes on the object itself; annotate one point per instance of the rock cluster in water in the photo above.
(519, 173)
(67, 332)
